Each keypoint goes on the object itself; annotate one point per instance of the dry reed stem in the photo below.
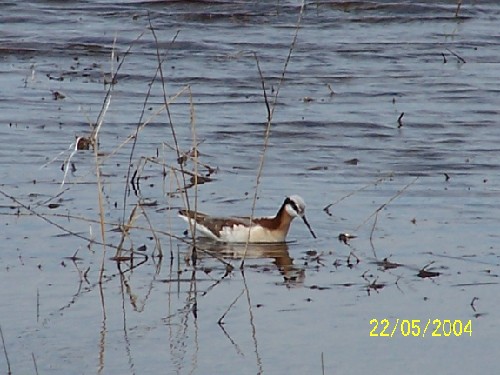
(37, 305)
(233, 343)
(459, 4)
(34, 363)
(9, 372)
(169, 220)
(184, 189)
(167, 107)
(270, 112)
(107, 99)
(94, 139)
(193, 135)
(252, 324)
(125, 228)
(138, 304)
(153, 233)
(212, 254)
(102, 332)
(140, 124)
(90, 288)
(67, 163)
(80, 218)
(371, 235)
(193, 295)
(101, 211)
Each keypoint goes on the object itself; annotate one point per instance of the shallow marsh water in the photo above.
(297, 307)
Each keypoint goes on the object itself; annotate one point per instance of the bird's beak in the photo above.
(308, 226)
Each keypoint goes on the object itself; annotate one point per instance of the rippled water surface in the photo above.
(385, 119)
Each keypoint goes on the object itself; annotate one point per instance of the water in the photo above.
(354, 69)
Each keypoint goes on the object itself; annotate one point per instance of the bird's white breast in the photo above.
(239, 233)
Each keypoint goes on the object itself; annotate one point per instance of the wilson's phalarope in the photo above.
(237, 229)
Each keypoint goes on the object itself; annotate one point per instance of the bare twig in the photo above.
(153, 233)
(460, 58)
(382, 206)
(371, 235)
(44, 218)
(234, 344)
(377, 211)
(332, 93)
(263, 84)
(221, 319)
(472, 303)
(377, 181)
(400, 118)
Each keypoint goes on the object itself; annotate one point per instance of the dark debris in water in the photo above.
(311, 253)
(375, 285)
(56, 95)
(346, 237)
(199, 179)
(317, 287)
(314, 257)
(119, 259)
(349, 264)
(318, 168)
(425, 274)
(489, 273)
(354, 161)
(84, 143)
(386, 264)
(327, 210)
(55, 78)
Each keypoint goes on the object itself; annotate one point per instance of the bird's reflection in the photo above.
(278, 252)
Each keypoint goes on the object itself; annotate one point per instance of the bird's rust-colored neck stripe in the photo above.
(280, 222)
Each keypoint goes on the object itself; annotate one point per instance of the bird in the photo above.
(237, 229)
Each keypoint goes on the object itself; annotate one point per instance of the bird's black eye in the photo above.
(292, 204)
